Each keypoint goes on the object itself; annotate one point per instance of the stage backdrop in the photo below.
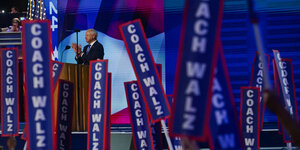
(105, 17)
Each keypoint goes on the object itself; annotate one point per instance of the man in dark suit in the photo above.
(93, 51)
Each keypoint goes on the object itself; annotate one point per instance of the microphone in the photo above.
(62, 53)
(67, 47)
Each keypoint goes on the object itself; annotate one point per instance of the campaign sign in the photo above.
(140, 124)
(38, 83)
(224, 131)
(108, 123)
(97, 105)
(287, 89)
(278, 90)
(9, 92)
(196, 62)
(257, 77)
(289, 86)
(64, 115)
(176, 143)
(249, 116)
(281, 130)
(282, 74)
(156, 127)
(56, 68)
(145, 70)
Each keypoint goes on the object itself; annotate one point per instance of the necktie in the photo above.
(88, 49)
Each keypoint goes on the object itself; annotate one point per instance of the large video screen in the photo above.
(105, 17)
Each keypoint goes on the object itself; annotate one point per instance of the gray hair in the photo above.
(93, 32)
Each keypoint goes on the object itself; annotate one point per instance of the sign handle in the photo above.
(166, 134)
(253, 16)
(261, 53)
(25, 145)
(289, 146)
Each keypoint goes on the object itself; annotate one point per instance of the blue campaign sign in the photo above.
(97, 105)
(56, 67)
(145, 70)
(257, 81)
(140, 124)
(292, 92)
(156, 127)
(64, 115)
(9, 92)
(286, 88)
(224, 131)
(176, 143)
(108, 123)
(278, 90)
(38, 83)
(290, 84)
(249, 116)
(196, 62)
(282, 74)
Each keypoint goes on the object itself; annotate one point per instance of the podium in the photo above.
(80, 106)
(14, 39)
(10, 38)
(69, 73)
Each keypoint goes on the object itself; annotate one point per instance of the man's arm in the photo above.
(272, 101)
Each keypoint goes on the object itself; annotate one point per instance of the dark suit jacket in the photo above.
(96, 52)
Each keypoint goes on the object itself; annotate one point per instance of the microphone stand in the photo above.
(78, 89)
(62, 53)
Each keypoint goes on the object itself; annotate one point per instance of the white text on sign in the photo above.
(9, 101)
(39, 102)
(196, 70)
(149, 81)
(142, 135)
